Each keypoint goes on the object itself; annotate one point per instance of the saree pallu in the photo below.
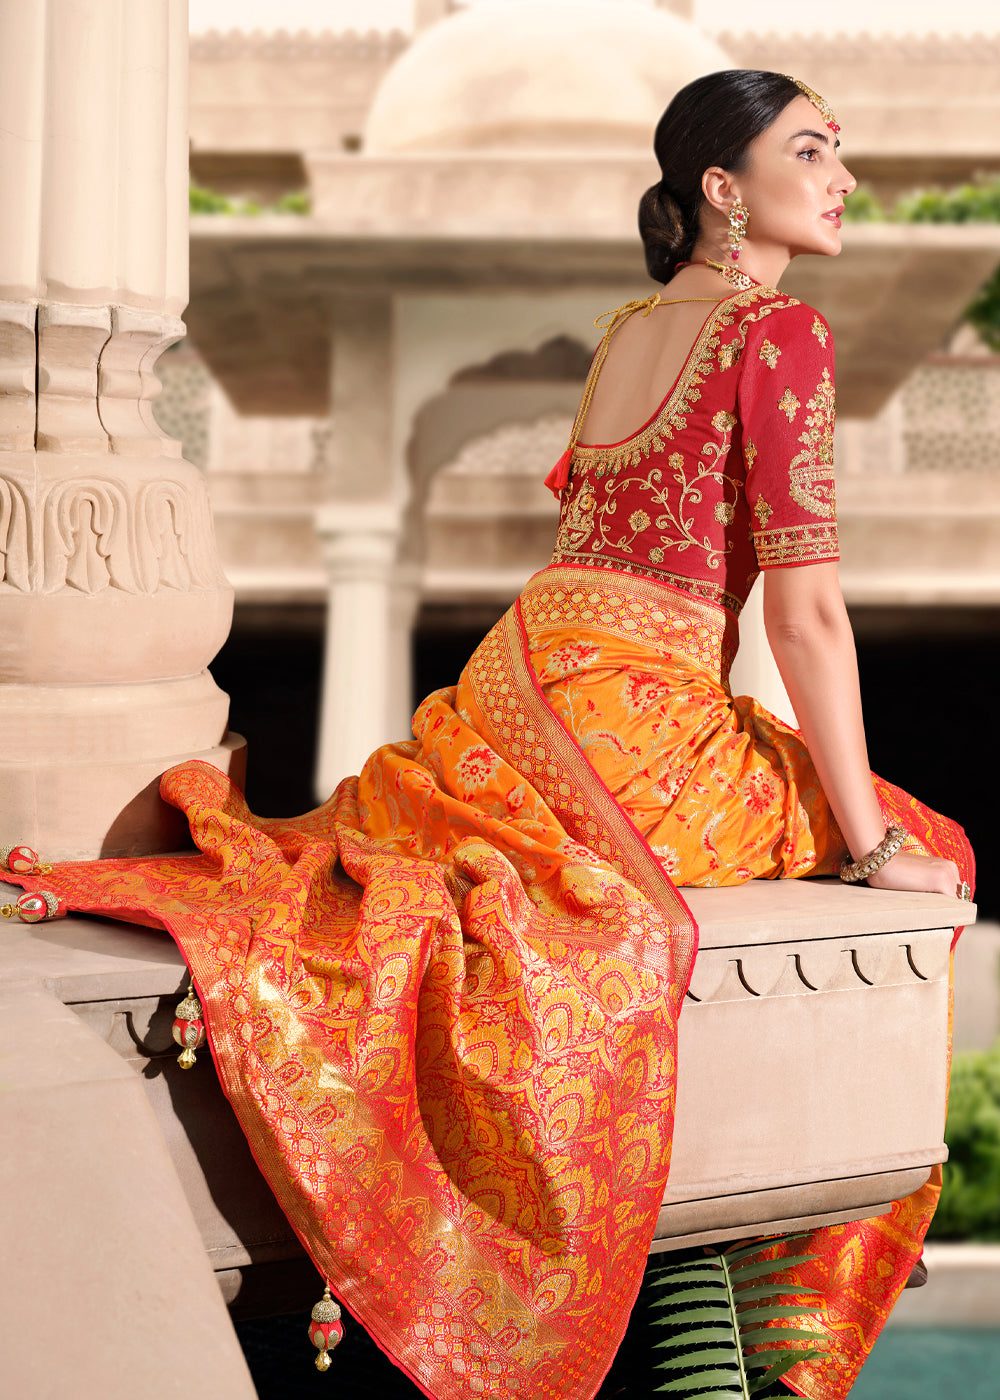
(444, 1005)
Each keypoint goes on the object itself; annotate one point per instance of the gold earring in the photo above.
(739, 217)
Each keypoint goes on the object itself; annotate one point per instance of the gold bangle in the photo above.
(874, 860)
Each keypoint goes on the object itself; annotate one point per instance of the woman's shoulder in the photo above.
(777, 314)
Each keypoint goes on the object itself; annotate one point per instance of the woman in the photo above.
(444, 1005)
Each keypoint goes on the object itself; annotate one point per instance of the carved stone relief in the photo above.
(17, 376)
(92, 533)
(67, 528)
(14, 550)
(819, 965)
(70, 341)
(127, 383)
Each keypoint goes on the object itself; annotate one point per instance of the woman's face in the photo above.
(795, 184)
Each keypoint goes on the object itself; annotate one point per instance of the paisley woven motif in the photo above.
(444, 1004)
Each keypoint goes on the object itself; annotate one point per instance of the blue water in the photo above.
(932, 1363)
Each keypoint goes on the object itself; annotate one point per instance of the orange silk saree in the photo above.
(444, 1005)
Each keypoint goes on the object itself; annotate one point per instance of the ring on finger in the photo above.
(964, 892)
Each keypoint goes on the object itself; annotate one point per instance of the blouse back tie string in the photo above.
(610, 322)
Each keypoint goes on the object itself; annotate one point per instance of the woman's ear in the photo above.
(717, 187)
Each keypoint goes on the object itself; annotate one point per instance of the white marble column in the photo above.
(373, 590)
(366, 661)
(112, 599)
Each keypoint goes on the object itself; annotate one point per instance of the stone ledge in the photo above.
(102, 1297)
(766, 911)
(89, 958)
(122, 980)
(962, 1290)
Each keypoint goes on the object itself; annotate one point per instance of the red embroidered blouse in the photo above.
(734, 471)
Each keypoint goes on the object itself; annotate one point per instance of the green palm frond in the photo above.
(710, 1309)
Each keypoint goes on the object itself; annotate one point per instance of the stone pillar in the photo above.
(404, 603)
(367, 686)
(362, 670)
(112, 598)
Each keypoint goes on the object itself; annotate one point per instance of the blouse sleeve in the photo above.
(786, 405)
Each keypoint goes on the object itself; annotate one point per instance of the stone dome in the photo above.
(517, 75)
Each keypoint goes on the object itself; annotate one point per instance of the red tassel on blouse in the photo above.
(559, 475)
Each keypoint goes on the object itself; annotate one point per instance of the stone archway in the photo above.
(480, 519)
(488, 418)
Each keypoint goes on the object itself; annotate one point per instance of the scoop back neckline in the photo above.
(623, 442)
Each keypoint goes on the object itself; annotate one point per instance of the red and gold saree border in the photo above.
(525, 730)
(634, 609)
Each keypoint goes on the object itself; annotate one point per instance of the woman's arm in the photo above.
(811, 638)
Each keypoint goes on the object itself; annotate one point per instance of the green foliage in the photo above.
(711, 1308)
(975, 203)
(970, 1199)
(206, 201)
(978, 203)
(863, 207)
(296, 202)
(984, 311)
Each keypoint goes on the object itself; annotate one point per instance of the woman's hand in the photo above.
(905, 871)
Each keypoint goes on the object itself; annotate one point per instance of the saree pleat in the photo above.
(444, 1005)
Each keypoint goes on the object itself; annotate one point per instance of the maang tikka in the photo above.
(739, 216)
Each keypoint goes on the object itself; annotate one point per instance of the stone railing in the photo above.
(811, 1090)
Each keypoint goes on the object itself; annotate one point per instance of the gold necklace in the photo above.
(742, 281)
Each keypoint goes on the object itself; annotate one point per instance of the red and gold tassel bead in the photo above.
(35, 907)
(189, 1028)
(325, 1329)
(22, 860)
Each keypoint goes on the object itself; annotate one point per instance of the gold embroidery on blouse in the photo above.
(788, 404)
(796, 544)
(672, 417)
(820, 331)
(675, 522)
(762, 511)
(697, 587)
(811, 484)
(589, 521)
(577, 522)
(662, 495)
(769, 353)
(729, 354)
(749, 453)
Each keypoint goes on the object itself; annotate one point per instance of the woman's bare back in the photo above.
(646, 355)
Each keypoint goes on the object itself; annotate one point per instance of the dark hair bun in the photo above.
(666, 234)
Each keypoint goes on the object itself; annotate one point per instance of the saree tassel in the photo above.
(325, 1329)
(188, 1028)
(559, 475)
(35, 907)
(22, 860)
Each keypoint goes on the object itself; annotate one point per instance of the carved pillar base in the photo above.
(112, 599)
(80, 764)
